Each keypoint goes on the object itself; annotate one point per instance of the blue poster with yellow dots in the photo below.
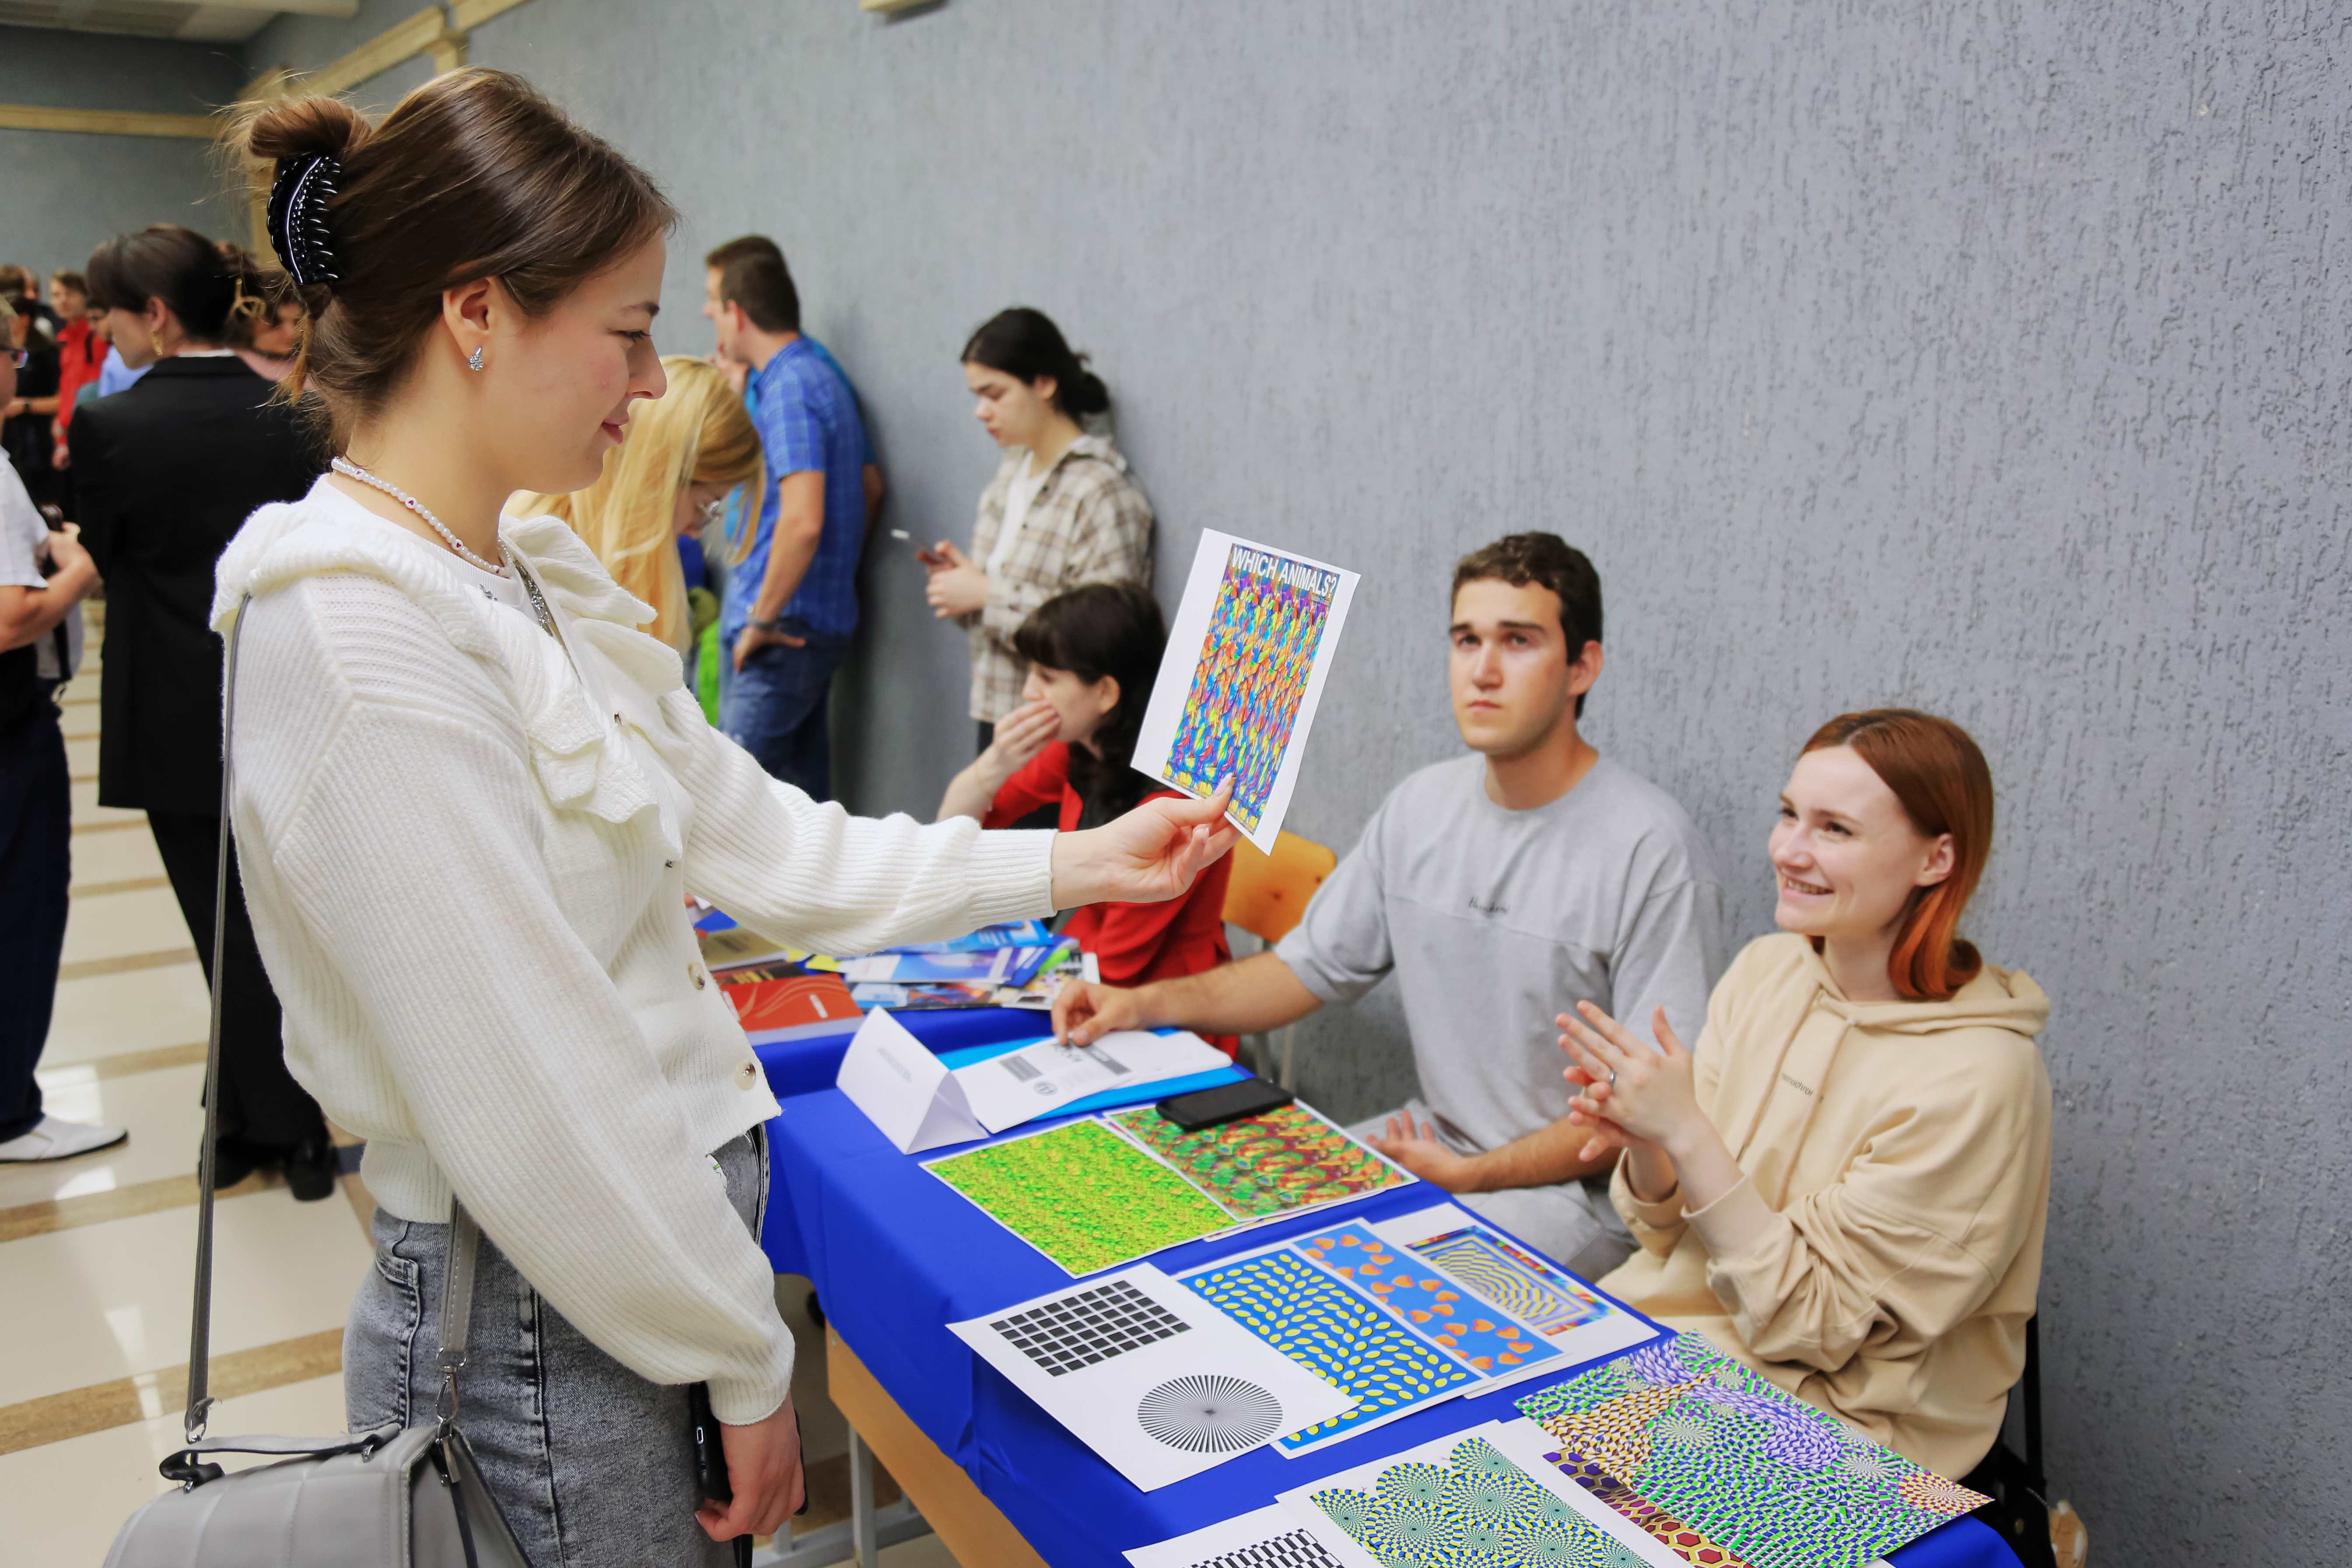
(1236, 694)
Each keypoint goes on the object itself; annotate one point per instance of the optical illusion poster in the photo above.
(1247, 659)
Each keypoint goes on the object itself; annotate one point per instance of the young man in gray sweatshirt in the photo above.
(1500, 888)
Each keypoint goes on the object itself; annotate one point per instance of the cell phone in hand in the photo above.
(1205, 1108)
(711, 1483)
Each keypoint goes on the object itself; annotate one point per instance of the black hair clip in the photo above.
(296, 216)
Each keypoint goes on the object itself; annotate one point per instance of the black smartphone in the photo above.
(711, 1483)
(1226, 1103)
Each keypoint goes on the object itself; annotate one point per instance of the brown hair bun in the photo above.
(297, 127)
(472, 175)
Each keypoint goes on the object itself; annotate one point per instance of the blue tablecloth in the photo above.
(896, 1255)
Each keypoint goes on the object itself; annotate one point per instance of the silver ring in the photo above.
(1612, 1078)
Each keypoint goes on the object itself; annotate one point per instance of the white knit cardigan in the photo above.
(466, 848)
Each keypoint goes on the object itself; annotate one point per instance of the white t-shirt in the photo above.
(23, 531)
(1031, 479)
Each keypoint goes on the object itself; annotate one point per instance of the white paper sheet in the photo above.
(1153, 1379)
(1583, 1323)
(1247, 655)
(1275, 1536)
(1042, 1078)
(1510, 1439)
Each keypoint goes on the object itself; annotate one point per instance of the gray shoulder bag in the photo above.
(385, 1499)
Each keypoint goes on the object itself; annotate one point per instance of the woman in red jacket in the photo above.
(1093, 654)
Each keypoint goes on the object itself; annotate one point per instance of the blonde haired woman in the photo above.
(683, 452)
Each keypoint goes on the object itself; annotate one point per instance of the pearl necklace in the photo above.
(350, 469)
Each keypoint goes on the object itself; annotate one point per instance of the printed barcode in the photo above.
(1021, 1069)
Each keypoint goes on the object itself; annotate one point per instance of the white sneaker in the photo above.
(56, 1139)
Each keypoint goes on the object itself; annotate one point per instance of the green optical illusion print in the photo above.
(1333, 1333)
(1082, 1195)
(1702, 1440)
(1477, 1510)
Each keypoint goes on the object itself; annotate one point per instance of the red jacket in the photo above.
(1133, 943)
(80, 356)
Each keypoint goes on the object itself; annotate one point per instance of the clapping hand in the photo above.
(1631, 1093)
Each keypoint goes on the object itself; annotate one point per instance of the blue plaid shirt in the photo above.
(808, 418)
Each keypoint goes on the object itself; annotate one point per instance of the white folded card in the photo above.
(904, 1089)
(918, 1103)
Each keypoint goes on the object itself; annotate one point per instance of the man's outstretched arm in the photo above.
(1258, 993)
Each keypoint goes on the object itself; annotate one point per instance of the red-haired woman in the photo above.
(1845, 1184)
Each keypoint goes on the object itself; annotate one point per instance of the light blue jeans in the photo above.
(591, 1464)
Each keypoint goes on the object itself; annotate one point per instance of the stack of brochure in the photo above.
(1020, 964)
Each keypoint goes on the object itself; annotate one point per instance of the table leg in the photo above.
(861, 1501)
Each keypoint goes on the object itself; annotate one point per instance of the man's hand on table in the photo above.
(764, 1468)
(1416, 1147)
(1087, 1010)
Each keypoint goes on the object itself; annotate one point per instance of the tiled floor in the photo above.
(96, 1253)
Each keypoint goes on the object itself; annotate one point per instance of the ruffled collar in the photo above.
(561, 694)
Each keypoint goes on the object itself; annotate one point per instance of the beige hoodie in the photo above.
(1881, 1258)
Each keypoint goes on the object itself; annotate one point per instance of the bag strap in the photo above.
(464, 1235)
(457, 1306)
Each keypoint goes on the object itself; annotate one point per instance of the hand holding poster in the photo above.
(1252, 643)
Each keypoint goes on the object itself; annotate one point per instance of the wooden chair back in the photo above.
(1267, 893)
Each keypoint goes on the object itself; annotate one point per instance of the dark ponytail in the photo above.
(471, 175)
(1097, 629)
(1026, 344)
(203, 283)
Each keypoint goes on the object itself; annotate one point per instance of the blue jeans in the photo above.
(591, 1464)
(774, 708)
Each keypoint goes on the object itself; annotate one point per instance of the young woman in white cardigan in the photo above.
(470, 797)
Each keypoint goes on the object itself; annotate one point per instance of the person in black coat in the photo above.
(164, 476)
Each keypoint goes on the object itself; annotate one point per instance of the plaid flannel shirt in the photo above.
(1089, 524)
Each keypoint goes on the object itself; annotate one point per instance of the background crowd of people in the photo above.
(739, 507)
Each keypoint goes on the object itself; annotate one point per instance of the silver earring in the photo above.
(474, 360)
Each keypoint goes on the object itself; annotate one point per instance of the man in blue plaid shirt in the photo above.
(792, 600)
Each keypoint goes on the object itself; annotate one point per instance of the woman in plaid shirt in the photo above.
(1063, 509)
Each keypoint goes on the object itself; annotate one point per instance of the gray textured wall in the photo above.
(1991, 360)
(62, 192)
